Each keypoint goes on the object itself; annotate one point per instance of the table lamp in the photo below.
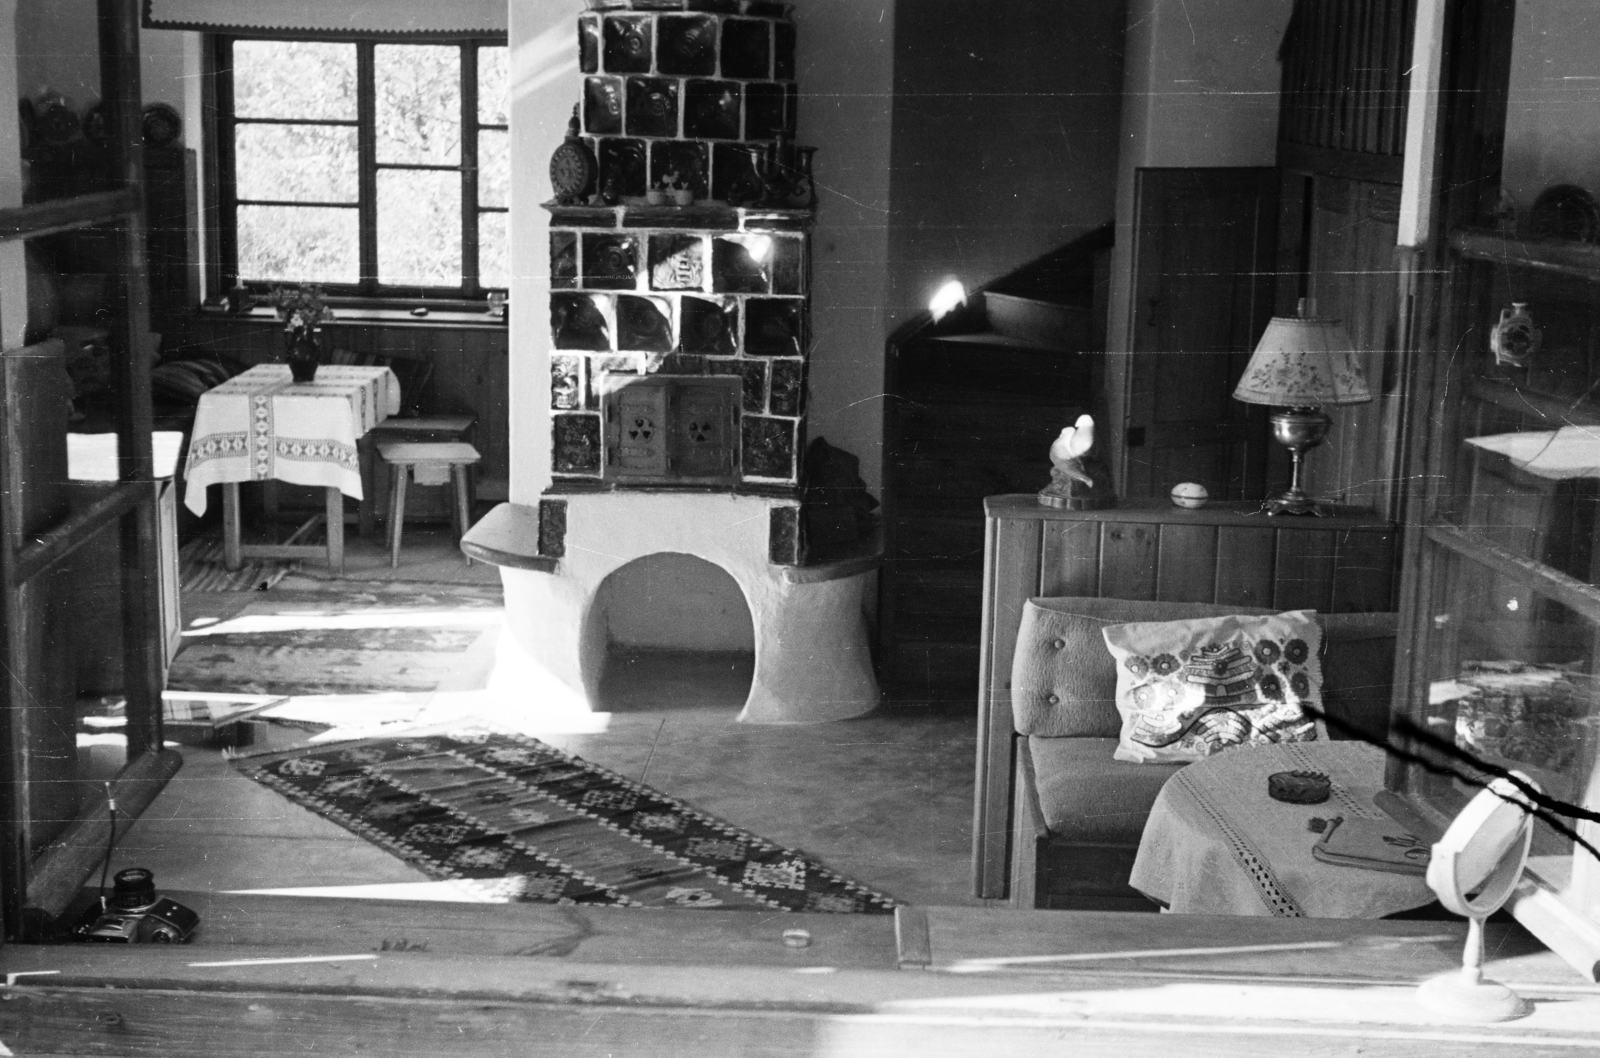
(1301, 364)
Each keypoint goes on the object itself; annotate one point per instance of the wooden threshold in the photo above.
(279, 974)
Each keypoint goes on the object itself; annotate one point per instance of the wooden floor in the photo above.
(885, 800)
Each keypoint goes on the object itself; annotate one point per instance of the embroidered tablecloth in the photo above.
(1216, 844)
(262, 424)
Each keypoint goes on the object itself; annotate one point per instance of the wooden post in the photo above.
(335, 507)
(143, 651)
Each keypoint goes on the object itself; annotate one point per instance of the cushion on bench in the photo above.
(1086, 796)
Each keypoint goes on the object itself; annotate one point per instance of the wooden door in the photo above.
(1203, 276)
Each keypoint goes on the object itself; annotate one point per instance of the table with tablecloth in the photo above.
(262, 425)
(1216, 844)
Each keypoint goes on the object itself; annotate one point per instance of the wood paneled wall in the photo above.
(1341, 140)
(1343, 565)
(1353, 276)
(1345, 83)
(469, 369)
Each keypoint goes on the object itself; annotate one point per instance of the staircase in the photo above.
(974, 402)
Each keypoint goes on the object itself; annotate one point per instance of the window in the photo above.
(376, 169)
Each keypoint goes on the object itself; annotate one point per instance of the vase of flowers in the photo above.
(303, 310)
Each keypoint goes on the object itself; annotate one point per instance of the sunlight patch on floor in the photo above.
(255, 624)
(505, 692)
(453, 891)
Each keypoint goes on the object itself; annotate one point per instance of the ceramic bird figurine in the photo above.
(1077, 481)
(1069, 448)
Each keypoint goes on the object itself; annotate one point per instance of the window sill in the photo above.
(437, 319)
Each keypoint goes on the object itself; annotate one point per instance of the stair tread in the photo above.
(1077, 301)
(1006, 341)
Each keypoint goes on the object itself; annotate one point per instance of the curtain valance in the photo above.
(328, 16)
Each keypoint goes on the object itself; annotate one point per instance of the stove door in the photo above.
(671, 430)
(636, 419)
(702, 432)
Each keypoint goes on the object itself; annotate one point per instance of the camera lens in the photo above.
(133, 888)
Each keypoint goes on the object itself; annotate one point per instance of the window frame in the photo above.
(368, 290)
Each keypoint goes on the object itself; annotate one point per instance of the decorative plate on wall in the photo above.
(1566, 211)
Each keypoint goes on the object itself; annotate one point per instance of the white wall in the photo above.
(1201, 81)
(1554, 104)
(845, 67)
(545, 83)
(13, 273)
(1005, 141)
(58, 46)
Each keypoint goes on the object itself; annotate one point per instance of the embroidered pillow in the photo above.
(1188, 689)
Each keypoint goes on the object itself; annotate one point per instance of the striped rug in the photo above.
(527, 822)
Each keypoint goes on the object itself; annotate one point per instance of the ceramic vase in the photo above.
(1515, 339)
(304, 354)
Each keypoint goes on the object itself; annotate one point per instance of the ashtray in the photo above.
(1299, 787)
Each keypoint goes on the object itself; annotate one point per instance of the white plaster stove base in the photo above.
(811, 639)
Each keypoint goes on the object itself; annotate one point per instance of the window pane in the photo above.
(494, 267)
(494, 168)
(494, 96)
(419, 228)
(297, 163)
(419, 104)
(299, 243)
(294, 79)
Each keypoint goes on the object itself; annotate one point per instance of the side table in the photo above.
(1216, 844)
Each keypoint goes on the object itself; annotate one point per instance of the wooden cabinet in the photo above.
(1223, 553)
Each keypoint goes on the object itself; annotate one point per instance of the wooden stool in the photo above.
(431, 463)
(397, 428)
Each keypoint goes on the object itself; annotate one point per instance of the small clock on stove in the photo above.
(572, 166)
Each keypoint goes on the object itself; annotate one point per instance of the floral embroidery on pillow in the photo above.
(1188, 689)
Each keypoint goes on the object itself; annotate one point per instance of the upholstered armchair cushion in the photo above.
(1086, 796)
(1357, 670)
(1064, 681)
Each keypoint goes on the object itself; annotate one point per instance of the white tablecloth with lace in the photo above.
(1216, 844)
(262, 424)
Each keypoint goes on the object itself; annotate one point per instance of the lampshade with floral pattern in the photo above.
(1303, 362)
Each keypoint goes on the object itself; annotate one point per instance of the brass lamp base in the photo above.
(1299, 430)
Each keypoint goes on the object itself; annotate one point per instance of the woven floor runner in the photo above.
(525, 821)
